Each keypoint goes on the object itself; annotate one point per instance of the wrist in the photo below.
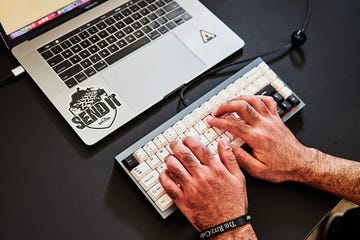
(245, 232)
(226, 229)
(305, 164)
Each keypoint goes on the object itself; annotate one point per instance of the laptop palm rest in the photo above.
(145, 77)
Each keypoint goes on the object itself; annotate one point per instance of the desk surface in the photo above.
(55, 187)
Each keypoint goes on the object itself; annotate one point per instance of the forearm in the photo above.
(332, 174)
(245, 232)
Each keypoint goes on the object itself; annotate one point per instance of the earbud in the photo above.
(298, 38)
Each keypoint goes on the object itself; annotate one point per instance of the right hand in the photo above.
(276, 153)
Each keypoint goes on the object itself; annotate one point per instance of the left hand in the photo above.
(207, 189)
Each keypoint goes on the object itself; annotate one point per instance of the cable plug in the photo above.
(13, 74)
(298, 38)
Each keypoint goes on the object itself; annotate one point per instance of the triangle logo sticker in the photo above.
(207, 36)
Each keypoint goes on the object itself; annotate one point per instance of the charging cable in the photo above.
(13, 74)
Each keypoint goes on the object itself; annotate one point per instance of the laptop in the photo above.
(103, 62)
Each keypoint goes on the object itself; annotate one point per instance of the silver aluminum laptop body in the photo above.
(107, 100)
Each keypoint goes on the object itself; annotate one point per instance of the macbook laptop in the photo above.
(103, 62)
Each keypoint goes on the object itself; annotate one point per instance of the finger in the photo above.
(185, 156)
(237, 127)
(241, 107)
(257, 102)
(199, 150)
(246, 161)
(228, 159)
(271, 105)
(170, 187)
(177, 171)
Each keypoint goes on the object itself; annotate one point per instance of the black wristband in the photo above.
(224, 227)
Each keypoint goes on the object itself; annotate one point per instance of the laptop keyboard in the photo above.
(91, 48)
(144, 160)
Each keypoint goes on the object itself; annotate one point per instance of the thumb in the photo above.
(246, 160)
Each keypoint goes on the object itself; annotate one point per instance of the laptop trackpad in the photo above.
(147, 76)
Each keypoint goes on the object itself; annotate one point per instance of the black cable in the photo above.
(298, 38)
(308, 15)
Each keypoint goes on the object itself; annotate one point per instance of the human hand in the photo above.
(207, 190)
(276, 153)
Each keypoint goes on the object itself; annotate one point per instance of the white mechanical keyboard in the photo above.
(144, 160)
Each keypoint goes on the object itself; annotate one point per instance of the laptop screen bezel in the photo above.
(46, 27)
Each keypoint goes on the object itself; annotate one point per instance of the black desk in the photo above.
(55, 187)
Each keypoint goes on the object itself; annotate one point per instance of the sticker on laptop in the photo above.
(93, 108)
(207, 36)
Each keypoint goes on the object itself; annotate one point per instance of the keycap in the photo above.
(140, 170)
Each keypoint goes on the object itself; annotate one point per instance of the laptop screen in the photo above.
(20, 18)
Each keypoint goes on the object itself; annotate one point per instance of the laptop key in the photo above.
(171, 25)
(126, 12)
(130, 38)
(80, 77)
(94, 39)
(111, 39)
(104, 53)
(65, 44)
(138, 33)
(110, 21)
(122, 43)
(93, 49)
(179, 21)
(186, 16)
(55, 60)
(160, 3)
(102, 44)
(86, 63)
(144, 12)
(101, 25)
(154, 34)
(93, 30)
(85, 43)
(57, 49)
(67, 53)
(62, 66)
(175, 13)
(67, 74)
(127, 50)
(71, 82)
(75, 39)
(100, 65)
(75, 59)
(142, 4)
(89, 71)
(171, 6)
(95, 58)
(76, 48)
(163, 29)
(84, 34)
(111, 29)
(103, 34)
(47, 54)
(159, 12)
(146, 29)
(113, 48)
(118, 16)
(84, 54)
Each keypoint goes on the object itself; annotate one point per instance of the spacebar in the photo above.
(125, 51)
